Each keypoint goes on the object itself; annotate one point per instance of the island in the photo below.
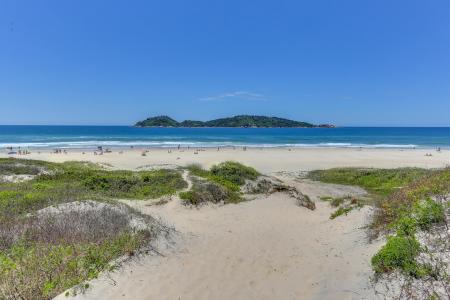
(243, 121)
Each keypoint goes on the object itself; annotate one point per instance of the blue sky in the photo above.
(379, 63)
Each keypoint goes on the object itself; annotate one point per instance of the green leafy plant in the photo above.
(398, 253)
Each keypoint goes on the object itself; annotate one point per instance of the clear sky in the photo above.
(348, 62)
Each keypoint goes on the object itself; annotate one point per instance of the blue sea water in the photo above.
(85, 137)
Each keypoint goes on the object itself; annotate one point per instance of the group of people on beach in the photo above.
(59, 151)
(100, 150)
(19, 151)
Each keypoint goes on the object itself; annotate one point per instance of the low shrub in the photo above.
(224, 184)
(428, 212)
(406, 226)
(206, 191)
(399, 253)
(234, 172)
(408, 202)
(12, 166)
(73, 181)
(45, 250)
(379, 181)
(42, 271)
(136, 185)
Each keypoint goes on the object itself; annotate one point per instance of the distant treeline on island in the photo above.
(236, 121)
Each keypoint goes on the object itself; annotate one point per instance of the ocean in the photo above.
(87, 137)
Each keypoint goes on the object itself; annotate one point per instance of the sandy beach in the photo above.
(267, 248)
(267, 160)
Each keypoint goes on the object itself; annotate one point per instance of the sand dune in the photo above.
(268, 248)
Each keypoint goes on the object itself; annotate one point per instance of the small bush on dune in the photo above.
(397, 190)
(42, 271)
(409, 202)
(11, 166)
(429, 212)
(144, 184)
(410, 198)
(398, 253)
(222, 183)
(73, 181)
(197, 170)
(406, 226)
(207, 191)
(43, 252)
(234, 172)
(379, 181)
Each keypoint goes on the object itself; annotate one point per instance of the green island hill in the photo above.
(243, 121)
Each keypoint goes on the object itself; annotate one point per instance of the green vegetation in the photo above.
(344, 204)
(341, 211)
(14, 167)
(220, 184)
(399, 253)
(378, 181)
(236, 121)
(408, 201)
(159, 121)
(256, 121)
(44, 252)
(428, 213)
(78, 181)
(234, 172)
(41, 271)
(204, 191)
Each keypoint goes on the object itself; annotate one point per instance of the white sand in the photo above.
(267, 248)
(265, 160)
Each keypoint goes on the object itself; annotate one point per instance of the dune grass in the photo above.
(344, 204)
(78, 181)
(221, 183)
(408, 201)
(42, 254)
(380, 182)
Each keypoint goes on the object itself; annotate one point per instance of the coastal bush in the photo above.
(413, 199)
(44, 254)
(408, 203)
(78, 181)
(136, 185)
(42, 271)
(378, 181)
(11, 166)
(228, 174)
(406, 226)
(223, 183)
(428, 212)
(204, 191)
(234, 172)
(396, 191)
(399, 253)
(63, 226)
